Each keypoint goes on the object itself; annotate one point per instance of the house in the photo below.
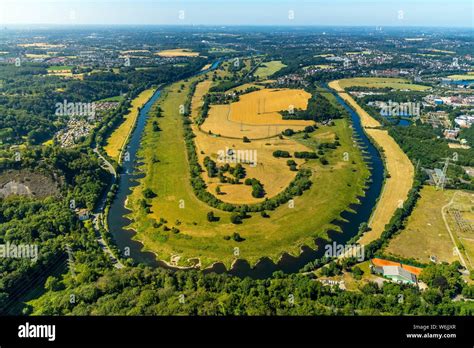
(395, 271)
(464, 121)
(82, 214)
(451, 134)
(398, 274)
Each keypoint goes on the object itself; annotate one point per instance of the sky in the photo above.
(435, 13)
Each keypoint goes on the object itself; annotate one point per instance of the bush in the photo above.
(306, 154)
(235, 218)
(148, 193)
(281, 153)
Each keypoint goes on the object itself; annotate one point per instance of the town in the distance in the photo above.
(211, 170)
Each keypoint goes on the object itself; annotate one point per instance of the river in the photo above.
(349, 223)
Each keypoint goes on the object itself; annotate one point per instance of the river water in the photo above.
(349, 223)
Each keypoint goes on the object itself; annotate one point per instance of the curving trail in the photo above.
(397, 164)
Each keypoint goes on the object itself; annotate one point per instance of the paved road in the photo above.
(98, 216)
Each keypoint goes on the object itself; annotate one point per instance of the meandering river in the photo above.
(265, 267)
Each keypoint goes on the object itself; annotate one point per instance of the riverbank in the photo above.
(176, 223)
(399, 168)
(119, 137)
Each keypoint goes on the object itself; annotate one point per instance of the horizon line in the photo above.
(235, 25)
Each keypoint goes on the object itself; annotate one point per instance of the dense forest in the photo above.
(50, 223)
(29, 96)
(146, 291)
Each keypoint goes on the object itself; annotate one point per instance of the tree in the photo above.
(51, 284)
(148, 193)
(235, 218)
(211, 217)
(357, 272)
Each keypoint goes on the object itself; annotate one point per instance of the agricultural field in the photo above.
(119, 136)
(177, 52)
(257, 114)
(381, 82)
(268, 68)
(199, 241)
(469, 76)
(398, 165)
(426, 233)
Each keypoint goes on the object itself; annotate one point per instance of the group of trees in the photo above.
(257, 187)
(301, 182)
(146, 291)
(50, 223)
(319, 109)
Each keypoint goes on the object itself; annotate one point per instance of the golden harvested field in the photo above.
(201, 89)
(272, 172)
(398, 165)
(256, 115)
(37, 56)
(178, 52)
(462, 77)
(381, 82)
(42, 45)
(119, 137)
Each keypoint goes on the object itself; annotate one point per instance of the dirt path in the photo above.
(443, 214)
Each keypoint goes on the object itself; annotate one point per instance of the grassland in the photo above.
(381, 82)
(177, 52)
(462, 77)
(398, 166)
(63, 68)
(257, 114)
(167, 175)
(119, 136)
(426, 233)
(268, 69)
(117, 98)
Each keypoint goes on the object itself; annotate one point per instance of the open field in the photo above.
(285, 231)
(426, 233)
(37, 56)
(178, 52)
(462, 77)
(256, 115)
(381, 82)
(272, 172)
(61, 68)
(244, 87)
(41, 45)
(201, 90)
(268, 68)
(320, 66)
(119, 136)
(398, 165)
(117, 98)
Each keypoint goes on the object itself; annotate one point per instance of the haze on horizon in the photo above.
(433, 13)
